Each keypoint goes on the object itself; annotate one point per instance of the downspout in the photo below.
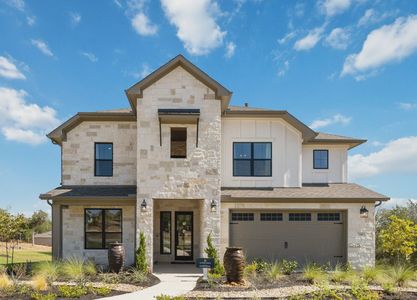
(378, 204)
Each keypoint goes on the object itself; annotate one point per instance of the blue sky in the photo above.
(343, 66)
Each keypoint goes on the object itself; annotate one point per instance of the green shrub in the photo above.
(343, 275)
(400, 274)
(388, 288)
(288, 266)
(273, 272)
(49, 270)
(250, 271)
(141, 261)
(76, 269)
(39, 296)
(211, 252)
(165, 297)
(261, 265)
(136, 276)
(100, 291)
(5, 282)
(68, 291)
(373, 274)
(361, 291)
(325, 292)
(314, 274)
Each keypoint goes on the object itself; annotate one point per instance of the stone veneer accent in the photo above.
(73, 234)
(360, 231)
(78, 153)
(197, 177)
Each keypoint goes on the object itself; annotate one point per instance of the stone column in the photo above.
(144, 223)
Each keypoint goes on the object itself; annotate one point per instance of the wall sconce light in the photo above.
(143, 205)
(363, 212)
(213, 205)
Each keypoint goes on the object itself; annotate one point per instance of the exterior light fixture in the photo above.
(363, 212)
(143, 205)
(213, 205)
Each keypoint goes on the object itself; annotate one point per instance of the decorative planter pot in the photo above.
(234, 264)
(116, 256)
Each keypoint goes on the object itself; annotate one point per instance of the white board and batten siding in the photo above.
(286, 151)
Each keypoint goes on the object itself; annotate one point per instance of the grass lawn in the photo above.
(27, 252)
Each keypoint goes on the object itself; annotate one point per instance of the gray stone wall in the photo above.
(78, 153)
(197, 176)
(73, 234)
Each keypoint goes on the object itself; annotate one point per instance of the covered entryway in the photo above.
(305, 236)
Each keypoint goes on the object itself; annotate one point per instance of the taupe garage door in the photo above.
(305, 236)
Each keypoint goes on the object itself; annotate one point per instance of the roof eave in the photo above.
(352, 143)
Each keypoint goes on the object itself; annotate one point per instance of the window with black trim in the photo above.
(242, 217)
(299, 216)
(102, 227)
(103, 159)
(271, 216)
(320, 159)
(328, 217)
(178, 142)
(252, 159)
(165, 228)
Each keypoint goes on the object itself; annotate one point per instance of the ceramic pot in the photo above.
(234, 264)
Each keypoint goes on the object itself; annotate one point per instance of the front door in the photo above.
(183, 235)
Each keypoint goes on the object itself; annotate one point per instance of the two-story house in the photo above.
(181, 163)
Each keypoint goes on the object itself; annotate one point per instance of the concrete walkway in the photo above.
(175, 279)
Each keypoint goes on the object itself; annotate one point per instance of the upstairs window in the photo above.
(103, 159)
(320, 159)
(252, 159)
(102, 227)
(178, 142)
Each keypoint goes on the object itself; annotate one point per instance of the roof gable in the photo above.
(136, 91)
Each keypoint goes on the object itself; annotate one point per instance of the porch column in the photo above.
(210, 223)
(144, 223)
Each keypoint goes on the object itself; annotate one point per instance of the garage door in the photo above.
(307, 236)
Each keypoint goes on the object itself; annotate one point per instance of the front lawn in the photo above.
(27, 253)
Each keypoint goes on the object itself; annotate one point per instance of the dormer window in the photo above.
(320, 159)
(179, 142)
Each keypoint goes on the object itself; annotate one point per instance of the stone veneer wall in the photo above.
(78, 153)
(360, 231)
(73, 234)
(198, 176)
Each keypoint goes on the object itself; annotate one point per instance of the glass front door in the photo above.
(183, 235)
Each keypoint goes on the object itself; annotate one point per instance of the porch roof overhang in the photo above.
(332, 192)
(178, 116)
(89, 192)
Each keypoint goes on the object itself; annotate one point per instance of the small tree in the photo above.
(399, 238)
(212, 253)
(141, 262)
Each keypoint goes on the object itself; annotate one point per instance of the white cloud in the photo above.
(142, 73)
(396, 201)
(389, 43)
(230, 49)
(284, 68)
(310, 40)
(24, 122)
(90, 56)
(398, 156)
(196, 24)
(336, 119)
(118, 3)
(8, 69)
(338, 38)
(334, 7)
(18, 4)
(407, 105)
(289, 36)
(143, 25)
(31, 20)
(371, 16)
(43, 47)
(75, 18)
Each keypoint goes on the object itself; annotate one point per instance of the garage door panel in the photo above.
(304, 241)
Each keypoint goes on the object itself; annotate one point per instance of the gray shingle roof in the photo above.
(85, 191)
(336, 191)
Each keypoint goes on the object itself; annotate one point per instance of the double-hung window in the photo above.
(102, 227)
(103, 159)
(320, 159)
(252, 159)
